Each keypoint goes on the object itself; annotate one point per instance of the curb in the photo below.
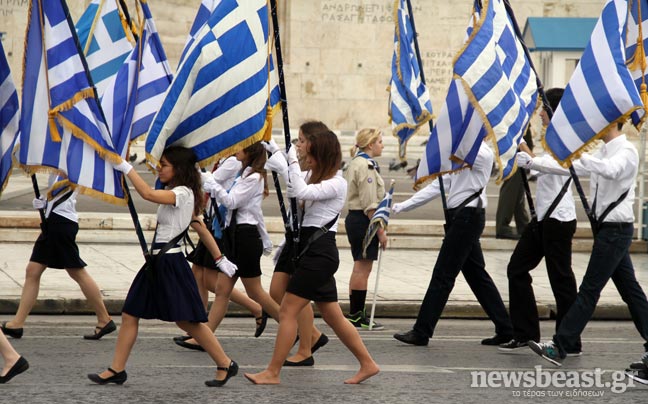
(393, 309)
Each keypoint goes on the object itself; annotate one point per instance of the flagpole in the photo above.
(37, 193)
(375, 294)
(549, 110)
(444, 202)
(286, 124)
(131, 206)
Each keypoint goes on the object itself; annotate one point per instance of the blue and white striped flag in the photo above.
(602, 89)
(9, 117)
(205, 10)
(106, 40)
(380, 219)
(222, 98)
(409, 99)
(459, 128)
(61, 125)
(499, 82)
(136, 92)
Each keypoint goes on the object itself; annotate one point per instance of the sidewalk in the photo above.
(404, 277)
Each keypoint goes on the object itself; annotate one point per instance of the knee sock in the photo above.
(357, 301)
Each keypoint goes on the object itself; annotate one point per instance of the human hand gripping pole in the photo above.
(39, 203)
(524, 160)
(123, 167)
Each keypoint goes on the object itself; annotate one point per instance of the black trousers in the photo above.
(550, 239)
(461, 252)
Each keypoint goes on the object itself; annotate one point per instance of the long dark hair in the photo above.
(256, 157)
(324, 148)
(183, 161)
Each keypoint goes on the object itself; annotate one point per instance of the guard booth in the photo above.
(556, 46)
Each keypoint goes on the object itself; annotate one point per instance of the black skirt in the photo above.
(248, 251)
(56, 246)
(169, 294)
(285, 261)
(313, 278)
(202, 257)
(356, 224)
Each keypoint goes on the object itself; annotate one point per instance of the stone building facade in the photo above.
(337, 53)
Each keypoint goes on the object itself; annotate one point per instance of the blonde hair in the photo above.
(364, 138)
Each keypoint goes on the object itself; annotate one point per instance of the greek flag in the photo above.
(499, 82)
(106, 40)
(61, 126)
(136, 92)
(409, 99)
(603, 89)
(380, 219)
(458, 129)
(9, 117)
(205, 10)
(222, 98)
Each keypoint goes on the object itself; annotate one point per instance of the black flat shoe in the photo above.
(310, 361)
(181, 338)
(232, 371)
(189, 345)
(321, 341)
(117, 377)
(496, 339)
(11, 332)
(261, 323)
(20, 366)
(101, 331)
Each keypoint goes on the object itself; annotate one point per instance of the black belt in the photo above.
(472, 209)
(616, 225)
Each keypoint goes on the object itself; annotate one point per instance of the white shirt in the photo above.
(547, 189)
(246, 195)
(227, 171)
(459, 186)
(614, 169)
(67, 208)
(174, 219)
(323, 201)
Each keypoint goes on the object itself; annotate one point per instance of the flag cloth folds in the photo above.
(106, 40)
(205, 10)
(499, 81)
(223, 97)
(61, 125)
(409, 99)
(380, 219)
(9, 117)
(603, 89)
(136, 92)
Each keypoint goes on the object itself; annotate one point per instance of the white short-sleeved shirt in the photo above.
(174, 219)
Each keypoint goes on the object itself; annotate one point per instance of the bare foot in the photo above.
(9, 364)
(363, 374)
(265, 377)
(298, 357)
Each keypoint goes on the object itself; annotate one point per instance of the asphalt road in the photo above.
(453, 368)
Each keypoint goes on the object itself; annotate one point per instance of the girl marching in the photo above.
(323, 194)
(168, 291)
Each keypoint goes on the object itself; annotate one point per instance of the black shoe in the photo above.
(232, 370)
(639, 365)
(189, 345)
(181, 338)
(412, 337)
(11, 332)
(117, 377)
(310, 361)
(497, 339)
(321, 341)
(20, 366)
(640, 376)
(106, 329)
(361, 321)
(261, 323)
(513, 346)
(508, 236)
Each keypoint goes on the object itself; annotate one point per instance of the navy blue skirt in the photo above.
(169, 293)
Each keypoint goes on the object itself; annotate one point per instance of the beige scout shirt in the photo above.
(366, 187)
